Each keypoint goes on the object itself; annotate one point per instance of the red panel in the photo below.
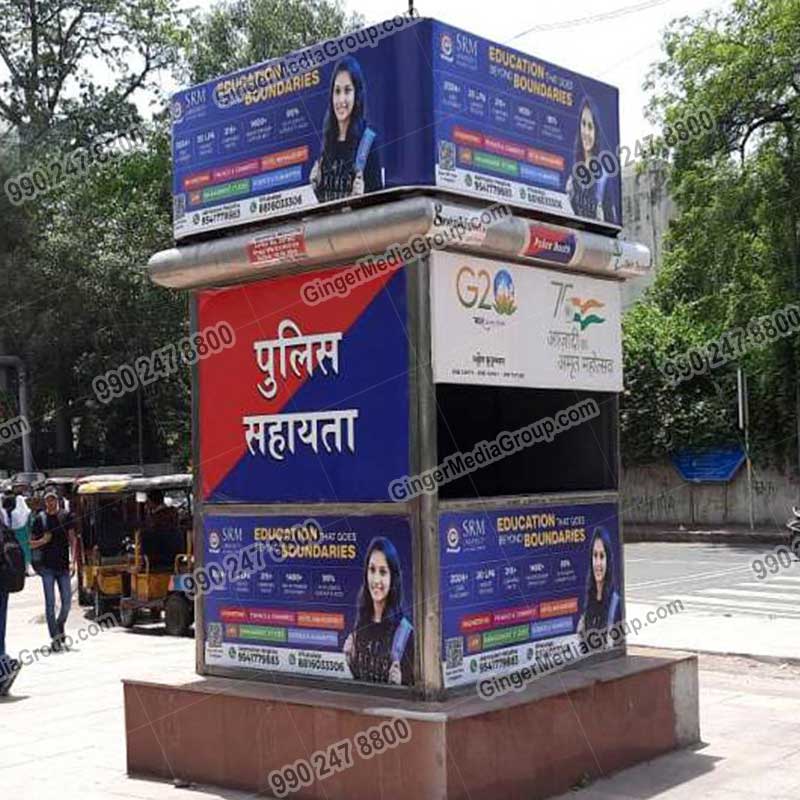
(228, 380)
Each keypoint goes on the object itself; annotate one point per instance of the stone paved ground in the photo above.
(62, 731)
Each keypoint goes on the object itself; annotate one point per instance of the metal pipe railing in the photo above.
(338, 237)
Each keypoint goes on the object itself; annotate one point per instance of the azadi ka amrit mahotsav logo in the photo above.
(582, 311)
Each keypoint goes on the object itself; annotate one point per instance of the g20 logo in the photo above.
(479, 289)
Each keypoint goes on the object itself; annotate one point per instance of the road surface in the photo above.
(726, 608)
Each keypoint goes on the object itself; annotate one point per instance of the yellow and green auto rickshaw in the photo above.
(106, 515)
(137, 548)
(162, 557)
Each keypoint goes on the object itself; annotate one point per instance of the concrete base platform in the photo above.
(564, 728)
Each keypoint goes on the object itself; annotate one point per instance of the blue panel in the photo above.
(277, 120)
(434, 107)
(713, 465)
(517, 582)
(289, 593)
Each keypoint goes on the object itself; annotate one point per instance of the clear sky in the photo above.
(613, 40)
(617, 50)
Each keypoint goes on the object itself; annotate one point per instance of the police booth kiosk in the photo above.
(402, 250)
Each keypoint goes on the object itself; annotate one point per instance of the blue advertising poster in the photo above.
(516, 582)
(344, 118)
(511, 128)
(330, 597)
(310, 403)
(403, 104)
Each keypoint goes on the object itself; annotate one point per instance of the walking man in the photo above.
(12, 579)
(54, 534)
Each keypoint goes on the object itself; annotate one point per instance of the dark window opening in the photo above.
(582, 458)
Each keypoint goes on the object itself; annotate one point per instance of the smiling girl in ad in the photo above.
(381, 647)
(595, 201)
(349, 164)
(602, 606)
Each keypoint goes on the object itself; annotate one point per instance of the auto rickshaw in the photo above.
(162, 555)
(107, 516)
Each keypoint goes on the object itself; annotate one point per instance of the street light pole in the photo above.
(15, 362)
(744, 425)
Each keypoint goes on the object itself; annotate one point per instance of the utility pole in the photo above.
(15, 362)
(744, 425)
(141, 431)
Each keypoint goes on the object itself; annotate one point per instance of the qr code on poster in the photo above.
(214, 635)
(178, 205)
(447, 155)
(454, 652)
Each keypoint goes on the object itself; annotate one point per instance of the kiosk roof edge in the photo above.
(396, 232)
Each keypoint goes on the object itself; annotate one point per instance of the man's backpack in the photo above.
(12, 562)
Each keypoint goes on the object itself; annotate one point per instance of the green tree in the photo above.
(74, 66)
(78, 300)
(732, 254)
(237, 33)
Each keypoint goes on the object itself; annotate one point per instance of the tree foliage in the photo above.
(237, 33)
(74, 66)
(733, 252)
(76, 298)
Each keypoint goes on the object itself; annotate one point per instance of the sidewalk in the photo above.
(62, 731)
(750, 729)
(705, 534)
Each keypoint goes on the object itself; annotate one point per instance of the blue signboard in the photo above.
(712, 465)
(510, 128)
(406, 103)
(515, 582)
(329, 597)
(310, 403)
